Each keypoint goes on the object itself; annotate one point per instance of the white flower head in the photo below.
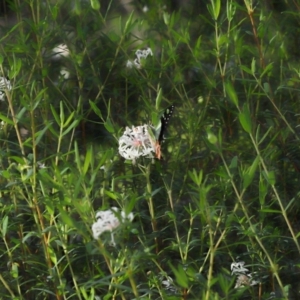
(243, 276)
(145, 8)
(60, 51)
(108, 220)
(129, 64)
(136, 142)
(41, 165)
(4, 85)
(238, 268)
(140, 54)
(143, 53)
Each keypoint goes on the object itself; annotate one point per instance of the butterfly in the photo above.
(157, 135)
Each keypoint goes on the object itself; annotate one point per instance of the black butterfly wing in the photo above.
(164, 122)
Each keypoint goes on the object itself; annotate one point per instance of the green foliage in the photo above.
(226, 188)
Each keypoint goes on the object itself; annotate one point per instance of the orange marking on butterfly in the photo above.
(157, 150)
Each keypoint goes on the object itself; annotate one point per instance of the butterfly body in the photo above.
(160, 130)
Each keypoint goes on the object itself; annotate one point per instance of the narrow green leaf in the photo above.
(71, 116)
(66, 218)
(62, 113)
(95, 4)
(128, 23)
(15, 68)
(263, 191)
(197, 178)
(180, 275)
(166, 17)
(266, 88)
(74, 124)
(96, 110)
(77, 7)
(21, 113)
(14, 272)
(265, 135)
(267, 69)
(253, 64)
(249, 175)
(217, 8)
(4, 225)
(270, 177)
(231, 93)
(6, 119)
(233, 163)
(87, 160)
(41, 133)
(52, 254)
(268, 210)
(158, 99)
(247, 70)
(212, 138)
(55, 115)
(214, 8)
(245, 119)
(109, 126)
(112, 195)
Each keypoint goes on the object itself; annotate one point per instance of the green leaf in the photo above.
(41, 133)
(266, 87)
(263, 191)
(112, 195)
(214, 8)
(95, 4)
(212, 138)
(166, 17)
(267, 69)
(268, 210)
(152, 134)
(264, 136)
(14, 272)
(231, 93)
(4, 225)
(270, 177)
(128, 23)
(66, 218)
(109, 126)
(197, 178)
(87, 160)
(74, 124)
(52, 254)
(253, 64)
(15, 68)
(96, 110)
(20, 114)
(181, 277)
(55, 115)
(233, 163)
(6, 119)
(71, 116)
(245, 119)
(62, 113)
(158, 99)
(249, 175)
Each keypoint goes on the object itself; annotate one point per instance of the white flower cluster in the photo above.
(60, 51)
(4, 85)
(168, 284)
(139, 54)
(136, 142)
(243, 275)
(108, 220)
